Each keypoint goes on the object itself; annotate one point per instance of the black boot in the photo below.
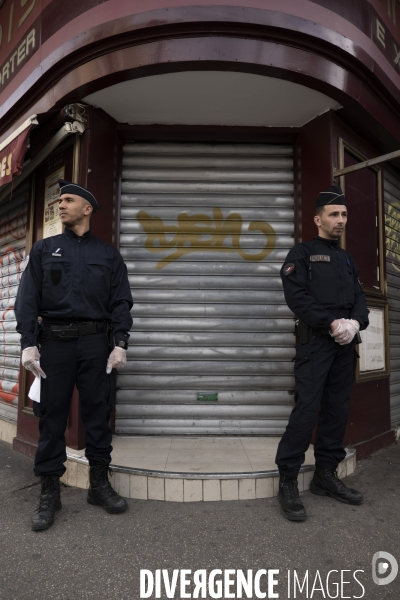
(327, 483)
(101, 493)
(49, 502)
(292, 507)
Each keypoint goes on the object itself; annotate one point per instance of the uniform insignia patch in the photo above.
(320, 258)
(287, 269)
(56, 252)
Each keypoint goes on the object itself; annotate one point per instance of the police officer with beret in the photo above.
(79, 286)
(322, 288)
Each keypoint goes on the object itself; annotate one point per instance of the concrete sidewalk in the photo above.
(90, 554)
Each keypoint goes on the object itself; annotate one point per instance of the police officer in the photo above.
(79, 287)
(321, 286)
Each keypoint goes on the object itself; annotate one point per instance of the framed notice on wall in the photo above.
(373, 351)
(51, 222)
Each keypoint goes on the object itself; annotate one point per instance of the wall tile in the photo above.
(173, 490)
(211, 490)
(155, 487)
(230, 489)
(192, 490)
(138, 487)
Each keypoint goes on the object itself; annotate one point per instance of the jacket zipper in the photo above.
(340, 276)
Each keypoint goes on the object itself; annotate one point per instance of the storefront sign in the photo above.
(12, 157)
(17, 58)
(52, 223)
(26, 25)
(378, 19)
(20, 22)
(372, 349)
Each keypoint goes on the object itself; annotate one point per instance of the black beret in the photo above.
(66, 187)
(333, 195)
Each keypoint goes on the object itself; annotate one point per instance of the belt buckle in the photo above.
(72, 331)
(64, 333)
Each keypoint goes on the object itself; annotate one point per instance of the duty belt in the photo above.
(73, 330)
(321, 332)
(306, 334)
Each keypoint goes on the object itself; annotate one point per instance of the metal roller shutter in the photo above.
(392, 228)
(13, 218)
(204, 231)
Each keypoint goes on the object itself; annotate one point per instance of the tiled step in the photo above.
(195, 469)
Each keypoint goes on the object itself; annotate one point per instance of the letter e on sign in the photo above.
(380, 32)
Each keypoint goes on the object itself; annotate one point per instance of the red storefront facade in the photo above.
(316, 86)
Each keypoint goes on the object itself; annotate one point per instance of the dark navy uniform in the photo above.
(320, 282)
(71, 279)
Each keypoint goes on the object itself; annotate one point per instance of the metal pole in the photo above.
(367, 163)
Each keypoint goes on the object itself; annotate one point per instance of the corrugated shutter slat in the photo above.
(392, 228)
(204, 231)
(13, 219)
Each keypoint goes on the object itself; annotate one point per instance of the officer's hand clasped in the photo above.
(30, 360)
(116, 360)
(345, 331)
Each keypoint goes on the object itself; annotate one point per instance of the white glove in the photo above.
(30, 360)
(116, 360)
(338, 330)
(352, 328)
(346, 331)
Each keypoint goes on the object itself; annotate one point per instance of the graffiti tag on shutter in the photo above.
(191, 231)
(392, 228)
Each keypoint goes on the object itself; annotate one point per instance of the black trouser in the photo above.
(324, 374)
(82, 361)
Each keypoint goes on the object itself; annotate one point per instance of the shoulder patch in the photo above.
(288, 268)
(320, 258)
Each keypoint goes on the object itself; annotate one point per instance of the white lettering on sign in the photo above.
(25, 48)
(5, 166)
(27, 12)
(391, 9)
(380, 32)
(11, 21)
(397, 57)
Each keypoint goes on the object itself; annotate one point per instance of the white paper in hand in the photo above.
(34, 392)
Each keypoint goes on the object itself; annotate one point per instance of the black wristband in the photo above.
(122, 344)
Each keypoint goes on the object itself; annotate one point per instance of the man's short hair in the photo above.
(319, 210)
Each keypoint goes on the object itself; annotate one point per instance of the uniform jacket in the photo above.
(320, 282)
(71, 278)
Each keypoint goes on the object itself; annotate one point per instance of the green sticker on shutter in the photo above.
(207, 397)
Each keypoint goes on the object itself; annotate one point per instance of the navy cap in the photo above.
(333, 195)
(66, 187)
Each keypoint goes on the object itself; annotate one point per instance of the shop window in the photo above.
(364, 240)
(362, 191)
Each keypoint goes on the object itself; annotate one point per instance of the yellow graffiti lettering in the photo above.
(392, 227)
(202, 232)
(393, 223)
